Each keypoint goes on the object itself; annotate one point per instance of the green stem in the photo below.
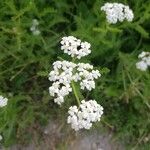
(139, 141)
(107, 124)
(137, 90)
(73, 59)
(60, 58)
(44, 43)
(75, 93)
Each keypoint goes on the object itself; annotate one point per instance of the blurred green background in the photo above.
(26, 59)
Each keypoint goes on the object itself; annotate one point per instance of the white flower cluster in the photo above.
(3, 101)
(34, 28)
(85, 115)
(63, 76)
(65, 72)
(117, 12)
(74, 47)
(86, 76)
(144, 63)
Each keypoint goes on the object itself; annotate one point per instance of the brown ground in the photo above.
(54, 139)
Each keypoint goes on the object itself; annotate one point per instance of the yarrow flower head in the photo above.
(117, 12)
(86, 76)
(66, 72)
(34, 28)
(75, 47)
(83, 117)
(61, 77)
(144, 62)
(3, 101)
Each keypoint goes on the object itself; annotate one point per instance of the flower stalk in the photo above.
(75, 93)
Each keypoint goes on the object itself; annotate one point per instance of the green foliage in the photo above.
(25, 61)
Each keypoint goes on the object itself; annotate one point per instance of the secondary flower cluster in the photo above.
(61, 77)
(144, 62)
(64, 72)
(34, 28)
(3, 101)
(85, 115)
(117, 12)
(74, 47)
(86, 75)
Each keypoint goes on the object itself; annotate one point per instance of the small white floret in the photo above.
(144, 62)
(3, 101)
